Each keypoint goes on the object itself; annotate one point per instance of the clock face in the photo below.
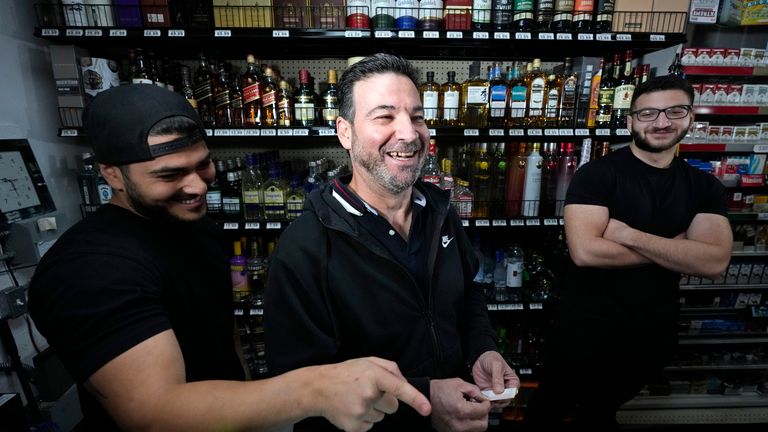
(16, 188)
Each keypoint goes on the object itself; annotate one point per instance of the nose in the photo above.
(406, 129)
(662, 121)
(195, 184)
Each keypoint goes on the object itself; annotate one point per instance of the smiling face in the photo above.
(661, 134)
(388, 137)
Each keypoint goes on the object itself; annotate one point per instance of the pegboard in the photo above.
(336, 153)
(702, 416)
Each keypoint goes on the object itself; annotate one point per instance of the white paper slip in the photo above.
(507, 394)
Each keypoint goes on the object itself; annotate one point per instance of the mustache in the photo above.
(185, 197)
(666, 129)
(403, 147)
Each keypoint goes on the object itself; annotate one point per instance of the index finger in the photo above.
(402, 390)
(388, 365)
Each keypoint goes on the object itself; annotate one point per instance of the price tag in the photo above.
(586, 36)
(231, 225)
(209, 132)
(532, 222)
(546, 36)
(353, 34)
(383, 34)
(604, 36)
(93, 32)
(551, 132)
(301, 132)
(284, 132)
(257, 311)
(622, 132)
(152, 33)
(464, 222)
(482, 223)
(564, 36)
(762, 216)
(177, 33)
(534, 132)
(118, 32)
(406, 34)
(581, 132)
(658, 38)
(602, 132)
(274, 225)
(516, 222)
(624, 37)
(74, 32)
(430, 35)
(562, 221)
(499, 222)
(760, 148)
(493, 307)
(238, 132)
(550, 221)
(222, 33)
(433, 132)
(326, 132)
(516, 132)
(238, 312)
(252, 132)
(281, 33)
(535, 306)
(471, 132)
(525, 371)
(268, 132)
(501, 35)
(69, 132)
(252, 225)
(479, 35)
(523, 36)
(454, 35)
(221, 132)
(496, 132)
(50, 32)
(566, 132)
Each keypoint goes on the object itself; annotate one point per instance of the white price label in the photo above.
(525, 371)
(624, 37)
(69, 132)
(281, 33)
(493, 307)
(353, 34)
(93, 32)
(430, 35)
(222, 33)
(566, 132)
(257, 311)
(482, 223)
(622, 132)
(301, 132)
(252, 132)
(604, 36)
(433, 132)
(517, 222)
(658, 38)
(238, 132)
(501, 35)
(152, 33)
(513, 306)
(496, 132)
(562, 221)
(471, 132)
(516, 132)
(523, 36)
(252, 225)
(118, 32)
(532, 222)
(602, 132)
(209, 132)
(383, 34)
(221, 132)
(74, 32)
(231, 225)
(50, 32)
(479, 35)
(177, 33)
(564, 36)
(454, 35)
(546, 36)
(551, 132)
(762, 216)
(326, 132)
(535, 306)
(268, 132)
(499, 222)
(550, 221)
(760, 148)
(274, 225)
(464, 223)
(406, 34)
(586, 36)
(581, 132)
(238, 312)
(284, 132)
(534, 132)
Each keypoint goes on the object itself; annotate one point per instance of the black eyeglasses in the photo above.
(672, 113)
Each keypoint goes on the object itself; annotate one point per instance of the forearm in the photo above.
(603, 253)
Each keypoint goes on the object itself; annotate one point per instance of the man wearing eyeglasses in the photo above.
(635, 220)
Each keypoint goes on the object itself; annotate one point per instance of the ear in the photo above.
(344, 132)
(629, 123)
(113, 176)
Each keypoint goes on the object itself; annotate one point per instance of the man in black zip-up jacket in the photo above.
(379, 264)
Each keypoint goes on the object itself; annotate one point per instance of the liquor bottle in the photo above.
(274, 191)
(213, 195)
(518, 98)
(582, 15)
(284, 103)
(256, 274)
(566, 166)
(450, 101)
(252, 183)
(607, 92)
(430, 100)
(515, 181)
(464, 165)
(223, 102)
(603, 21)
(430, 14)
(532, 186)
(500, 290)
(536, 82)
(475, 97)
(552, 100)
(544, 12)
(646, 73)
(231, 197)
(141, 71)
(154, 70)
(294, 201)
(622, 97)
(482, 182)
(586, 151)
(563, 19)
(594, 95)
(499, 178)
(251, 84)
(204, 92)
(186, 86)
(238, 270)
(304, 101)
(358, 13)
(430, 173)
(447, 181)
(462, 198)
(522, 17)
(568, 94)
(236, 98)
(549, 170)
(330, 99)
(676, 68)
(501, 14)
(481, 14)
(383, 12)
(269, 99)
(406, 13)
(499, 97)
(515, 265)
(87, 183)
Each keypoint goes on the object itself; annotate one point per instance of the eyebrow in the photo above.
(416, 109)
(163, 170)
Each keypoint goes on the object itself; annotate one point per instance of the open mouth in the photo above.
(191, 201)
(401, 155)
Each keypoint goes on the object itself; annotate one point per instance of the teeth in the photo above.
(191, 201)
(404, 155)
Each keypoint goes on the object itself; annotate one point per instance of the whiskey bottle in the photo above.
(481, 14)
(568, 94)
(304, 101)
(475, 97)
(522, 17)
(251, 85)
(532, 186)
(252, 182)
(285, 107)
(330, 99)
(269, 99)
(594, 95)
(536, 82)
(186, 86)
(499, 90)
(294, 201)
(231, 197)
(582, 15)
(430, 173)
(603, 21)
(430, 100)
(430, 14)
(607, 92)
(552, 102)
(501, 15)
(563, 19)
(544, 12)
(622, 97)
(141, 71)
(515, 181)
(223, 103)
(236, 97)
(274, 191)
(518, 98)
(450, 101)
(204, 92)
(213, 194)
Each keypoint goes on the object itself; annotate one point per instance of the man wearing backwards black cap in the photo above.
(136, 299)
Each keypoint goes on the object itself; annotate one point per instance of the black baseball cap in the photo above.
(118, 122)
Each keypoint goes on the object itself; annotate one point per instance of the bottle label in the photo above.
(213, 199)
(524, 8)
(431, 10)
(294, 206)
(553, 98)
(498, 100)
(434, 179)
(330, 114)
(518, 102)
(222, 98)
(251, 197)
(481, 11)
(623, 96)
(537, 96)
(477, 95)
(451, 105)
(515, 274)
(274, 201)
(251, 93)
(605, 10)
(563, 10)
(502, 11)
(231, 205)
(203, 92)
(544, 7)
(105, 193)
(431, 104)
(268, 98)
(141, 81)
(582, 9)
(304, 111)
(606, 96)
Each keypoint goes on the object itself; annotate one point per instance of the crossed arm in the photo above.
(596, 240)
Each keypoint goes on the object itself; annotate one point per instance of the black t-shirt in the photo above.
(116, 279)
(659, 201)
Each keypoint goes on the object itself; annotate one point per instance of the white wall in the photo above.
(28, 110)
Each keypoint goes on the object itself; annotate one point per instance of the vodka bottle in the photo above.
(532, 186)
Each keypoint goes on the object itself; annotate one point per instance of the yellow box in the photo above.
(739, 12)
(669, 16)
(257, 13)
(226, 13)
(632, 16)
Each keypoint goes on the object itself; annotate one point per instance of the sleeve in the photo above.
(590, 185)
(715, 197)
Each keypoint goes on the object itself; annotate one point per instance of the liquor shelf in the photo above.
(747, 399)
(718, 367)
(730, 110)
(728, 287)
(515, 306)
(732, 338)
(721, 71)
(740, 147)
(481, 223)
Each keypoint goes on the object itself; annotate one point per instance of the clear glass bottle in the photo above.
(515, 265)
(475, 99)
(274, 191)
(462, 198)
(450, 101)
(429, 91)
(253, 203)
(536, 82)
(566, 167)
(430, 173)
(499, 95)
(500, 289)
(330, 98)
(294, 201)
(515, 181)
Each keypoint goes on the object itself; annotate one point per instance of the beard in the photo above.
(643, 144)
(374, 165)
(147, 209)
